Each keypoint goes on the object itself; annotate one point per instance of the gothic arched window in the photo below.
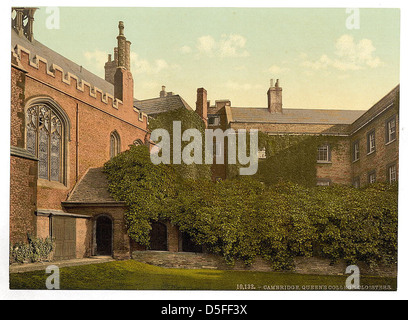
(114, 144)
(45, 132)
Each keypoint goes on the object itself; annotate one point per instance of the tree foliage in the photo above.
(277, 214)
(244, 218)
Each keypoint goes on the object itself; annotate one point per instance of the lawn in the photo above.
(132, 275)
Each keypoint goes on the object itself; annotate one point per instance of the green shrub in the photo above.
(244, 217)
(35, 250)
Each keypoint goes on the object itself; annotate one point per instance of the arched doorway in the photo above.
(188, 245)
(158, 237)
(103, 236)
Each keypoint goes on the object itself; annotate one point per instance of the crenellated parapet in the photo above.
(55, 76)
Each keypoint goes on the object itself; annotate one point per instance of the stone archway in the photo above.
(158, 237)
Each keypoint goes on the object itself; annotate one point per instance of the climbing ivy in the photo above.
(278, 214)
(244, 218)
(189, 120)
(288, 158)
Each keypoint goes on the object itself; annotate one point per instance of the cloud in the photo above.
(349, 55)
(275, 69)
(143, 66)
(241, 86)
(206, 44)
(232, 45)
(97, 59)
(186, 49)
(137, 64)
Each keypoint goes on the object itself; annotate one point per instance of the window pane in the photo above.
(371, 142)
(371, 178)
(55, 156)
(43, 154)
(356, 154)
(323, 153)
(44, 134)
(391, 130)
(31, 130)
(392, 172)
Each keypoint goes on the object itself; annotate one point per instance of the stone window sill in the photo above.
(51, 184)
(390, 142)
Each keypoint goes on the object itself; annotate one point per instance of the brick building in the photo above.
(66, 122)
(368, 140)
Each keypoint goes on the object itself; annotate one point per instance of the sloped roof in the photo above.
(309, 116)
(92, 188)
(162, 104)
(377, 109)
(37, 48)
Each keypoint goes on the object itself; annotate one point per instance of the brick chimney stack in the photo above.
(163, 92)
(123, 80)
(201, 104)
(275, 97)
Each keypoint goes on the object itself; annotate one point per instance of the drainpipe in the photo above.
(77, 144)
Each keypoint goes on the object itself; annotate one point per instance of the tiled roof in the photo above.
(159, 105)
(37, 48)
(92, 188)
(309, 116)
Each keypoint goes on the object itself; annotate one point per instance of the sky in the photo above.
(323, 58)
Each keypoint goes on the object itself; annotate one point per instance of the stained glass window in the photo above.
(44, 132)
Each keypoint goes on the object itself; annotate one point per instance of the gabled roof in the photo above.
(155, 106)
(92, 189)
(297, 116)
(37, 48)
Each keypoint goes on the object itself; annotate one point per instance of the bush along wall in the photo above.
(244, 218)
(37, 249)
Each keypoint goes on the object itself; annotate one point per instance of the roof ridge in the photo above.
(301, 109)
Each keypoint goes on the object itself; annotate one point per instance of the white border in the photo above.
(198, 295)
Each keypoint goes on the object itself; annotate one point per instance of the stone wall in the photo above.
(303, 265)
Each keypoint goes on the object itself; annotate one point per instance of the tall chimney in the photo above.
(163, 92)
(127, 54)
(201, 104)
(121, 45)
(123, 80)
(275, 97)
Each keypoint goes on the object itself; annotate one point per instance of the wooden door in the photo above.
(64, 233)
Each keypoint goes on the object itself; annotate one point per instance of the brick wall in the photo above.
(96, 122)
(23, 187)
(17, 118)
(339, 169)
(385, 153)
(23, 170)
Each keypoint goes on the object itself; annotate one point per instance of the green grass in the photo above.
(132, 275)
